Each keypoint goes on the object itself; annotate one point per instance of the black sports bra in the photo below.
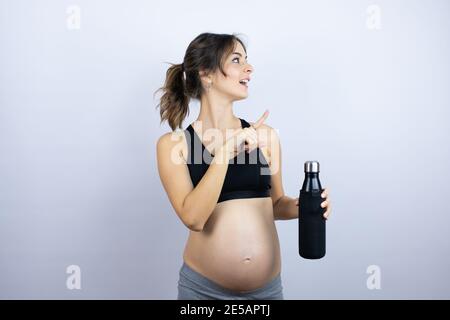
(248, 174)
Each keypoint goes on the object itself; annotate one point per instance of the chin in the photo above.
(242, 96)
(238, 95)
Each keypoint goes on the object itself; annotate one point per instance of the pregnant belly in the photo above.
(238, 247)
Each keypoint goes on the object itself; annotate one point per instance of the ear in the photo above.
(205, 75)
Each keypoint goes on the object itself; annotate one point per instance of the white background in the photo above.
(78, 130)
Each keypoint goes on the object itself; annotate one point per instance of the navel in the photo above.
(247, 260)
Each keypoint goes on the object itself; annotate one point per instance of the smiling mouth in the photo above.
(244, 83)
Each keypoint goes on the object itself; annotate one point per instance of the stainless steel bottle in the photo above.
(311, 223)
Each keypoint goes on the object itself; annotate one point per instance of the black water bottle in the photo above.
(311, 223)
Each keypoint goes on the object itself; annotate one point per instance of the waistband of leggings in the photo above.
(201, 280)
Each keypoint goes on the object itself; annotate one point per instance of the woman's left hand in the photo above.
(324, 204)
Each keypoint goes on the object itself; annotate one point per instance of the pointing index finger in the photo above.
(261, 120)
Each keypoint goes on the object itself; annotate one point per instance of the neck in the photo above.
(217, 112)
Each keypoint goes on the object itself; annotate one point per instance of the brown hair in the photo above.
(206, 52)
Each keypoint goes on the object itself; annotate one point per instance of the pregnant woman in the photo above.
(222, 176)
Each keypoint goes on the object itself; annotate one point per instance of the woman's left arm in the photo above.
(284, 207)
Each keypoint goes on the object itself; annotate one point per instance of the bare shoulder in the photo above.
(172, 142)
(169, 138)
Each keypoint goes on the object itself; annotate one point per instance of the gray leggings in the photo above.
(194, 286)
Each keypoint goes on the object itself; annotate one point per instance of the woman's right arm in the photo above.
(192, 205)
(201, 201)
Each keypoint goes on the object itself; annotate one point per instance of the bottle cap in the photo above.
(312, 166)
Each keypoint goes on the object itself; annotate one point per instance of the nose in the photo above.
(249, 68)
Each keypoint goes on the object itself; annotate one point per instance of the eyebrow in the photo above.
(239, 54)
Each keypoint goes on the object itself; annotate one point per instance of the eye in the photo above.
(237, 59)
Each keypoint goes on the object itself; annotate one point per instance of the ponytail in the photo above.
(174, 103)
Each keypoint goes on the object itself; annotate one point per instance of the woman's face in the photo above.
(237, 69)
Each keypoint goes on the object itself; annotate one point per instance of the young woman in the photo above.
(227, 190)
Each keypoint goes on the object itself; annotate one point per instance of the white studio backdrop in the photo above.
(360, 86)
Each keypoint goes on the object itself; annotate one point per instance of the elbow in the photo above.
(274, 203)
(191, 220)
(193, 223)
(194, 226)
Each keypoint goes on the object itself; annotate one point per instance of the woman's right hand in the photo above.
(236, 143)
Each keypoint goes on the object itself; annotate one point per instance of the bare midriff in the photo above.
(238, 247)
